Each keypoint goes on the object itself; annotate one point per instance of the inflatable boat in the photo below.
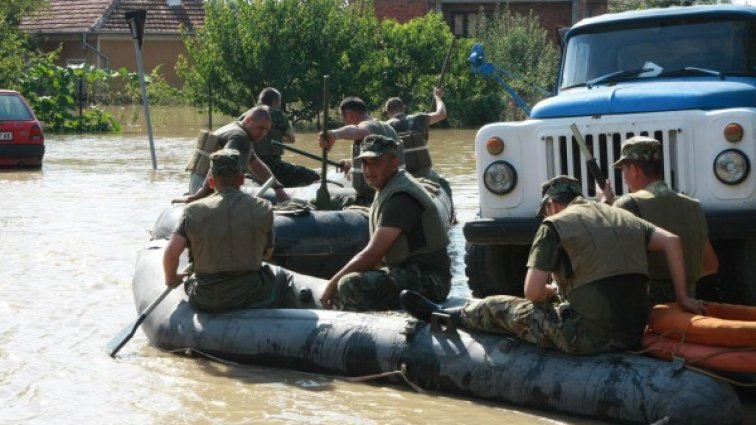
(308, 241)
(612, 387)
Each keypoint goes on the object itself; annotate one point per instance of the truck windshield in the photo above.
(726, 47)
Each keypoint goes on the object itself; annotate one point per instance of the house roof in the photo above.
(107, 16)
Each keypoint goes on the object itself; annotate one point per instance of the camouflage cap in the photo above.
(225, 162)
(557, 185)
(375, 145)
(639, 148)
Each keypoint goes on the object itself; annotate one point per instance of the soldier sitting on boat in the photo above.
(408, 237)
(596, 254)
(228, 235)
(289, 175)
(651, 199)
(358, 125)
(240, 135)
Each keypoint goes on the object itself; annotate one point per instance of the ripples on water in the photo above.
(70, 233)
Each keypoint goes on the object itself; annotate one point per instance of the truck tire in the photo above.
(495, 269)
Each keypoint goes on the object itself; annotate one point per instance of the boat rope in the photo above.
(191, 351)
(688, 363)
(401, 372)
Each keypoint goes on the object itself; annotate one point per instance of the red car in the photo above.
(22, 141)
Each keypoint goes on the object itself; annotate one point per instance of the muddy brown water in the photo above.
(69, 234)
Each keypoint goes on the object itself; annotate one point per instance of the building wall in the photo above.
(119, 53)
(401, 10)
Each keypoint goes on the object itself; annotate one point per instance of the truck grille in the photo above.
(564, 157)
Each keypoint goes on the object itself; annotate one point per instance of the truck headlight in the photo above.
(500, 177)
(731, 166)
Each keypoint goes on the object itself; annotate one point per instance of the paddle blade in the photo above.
(323, 198)
(118, 341)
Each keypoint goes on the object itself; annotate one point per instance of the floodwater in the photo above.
(69, 234)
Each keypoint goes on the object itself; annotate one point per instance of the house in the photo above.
(461, 14)
(96, 32)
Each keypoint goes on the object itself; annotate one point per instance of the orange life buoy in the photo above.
(706, 356)
(725, 325)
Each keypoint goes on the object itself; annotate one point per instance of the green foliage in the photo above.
(246, 46)
(159, 92)
(520, 46)
(52, 92)
(16, 51)
(410, 58)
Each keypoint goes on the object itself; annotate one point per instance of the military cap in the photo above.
(225, 162)
(639, 148)
(375, 145)
(557, 185)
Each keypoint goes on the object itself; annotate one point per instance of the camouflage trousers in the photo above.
(553, 326)
(268, 287)
(378, 290)
(290, 175)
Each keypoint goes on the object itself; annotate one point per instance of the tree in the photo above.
(17, 51)
(519, 45)
(246, 46)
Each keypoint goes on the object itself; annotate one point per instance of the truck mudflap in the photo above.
(508, 231)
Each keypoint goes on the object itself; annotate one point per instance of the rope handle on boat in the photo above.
(401, 372)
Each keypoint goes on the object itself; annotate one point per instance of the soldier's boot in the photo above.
(422, 308)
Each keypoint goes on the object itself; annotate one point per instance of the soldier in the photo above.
(240, 135)
(652, 200)
(359, 124)
(408, 237)
(413, 130)
(290, 175)
(596, 254)
(228, 269)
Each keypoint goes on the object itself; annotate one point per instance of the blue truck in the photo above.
(685, 76)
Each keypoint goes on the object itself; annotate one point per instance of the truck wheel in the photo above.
(495, 269)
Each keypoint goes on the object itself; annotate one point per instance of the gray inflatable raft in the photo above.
(613, 387)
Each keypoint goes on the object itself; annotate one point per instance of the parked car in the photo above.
(22, 141)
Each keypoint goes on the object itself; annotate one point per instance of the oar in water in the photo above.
(305, 153)
(323, 198)
(128, 332)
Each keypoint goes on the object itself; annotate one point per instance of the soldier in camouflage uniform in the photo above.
(408, 240)
(359, 124)
(228, 269)
(241, 135)
(596, 254)
(652, 200)
(290, 175)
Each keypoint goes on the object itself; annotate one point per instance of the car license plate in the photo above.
(6, 135)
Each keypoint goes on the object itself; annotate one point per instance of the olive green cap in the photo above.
(556, 185)
(225, 162)
(639, 148)
(376, 145)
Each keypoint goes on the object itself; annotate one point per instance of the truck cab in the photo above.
(685, 76)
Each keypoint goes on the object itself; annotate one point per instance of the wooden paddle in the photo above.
(128, 332)
(323, 198)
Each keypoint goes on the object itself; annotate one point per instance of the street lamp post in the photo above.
(136, 19)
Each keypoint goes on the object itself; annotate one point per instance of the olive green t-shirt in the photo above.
(404, 212)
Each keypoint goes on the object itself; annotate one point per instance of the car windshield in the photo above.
(726, 47)
(13, 108)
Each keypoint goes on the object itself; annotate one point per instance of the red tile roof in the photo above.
(107, 16)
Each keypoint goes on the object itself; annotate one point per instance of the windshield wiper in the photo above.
(616, 76)
(694, 70)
